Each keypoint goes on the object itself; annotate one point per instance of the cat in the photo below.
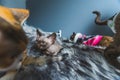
(112, 52)
(13, 40)
(47, 44)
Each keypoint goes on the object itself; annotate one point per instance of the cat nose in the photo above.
(41, 43)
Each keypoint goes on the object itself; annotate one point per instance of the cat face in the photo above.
(44, 42)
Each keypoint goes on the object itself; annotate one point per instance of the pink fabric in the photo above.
(93, 41)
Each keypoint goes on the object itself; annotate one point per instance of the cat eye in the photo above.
(40, 41)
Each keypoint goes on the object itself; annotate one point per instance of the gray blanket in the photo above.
(79, 62)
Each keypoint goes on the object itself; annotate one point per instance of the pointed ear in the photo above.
(11, 19)
(74, 33)
(20, 14)
(72, 36)
(52, 37)
(39, 34)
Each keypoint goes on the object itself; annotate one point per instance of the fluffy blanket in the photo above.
(80, 63)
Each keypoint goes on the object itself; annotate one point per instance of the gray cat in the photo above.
(47, 44)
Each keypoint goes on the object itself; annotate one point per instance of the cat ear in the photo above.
(74, 33)
(52, 37)
(20, 14)
(12, 18)
(39, 34)
(72, 36)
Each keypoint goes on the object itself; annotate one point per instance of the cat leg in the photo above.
(111, 55)
(41, 60)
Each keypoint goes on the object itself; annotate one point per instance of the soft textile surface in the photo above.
(93, 41)
(80, 63)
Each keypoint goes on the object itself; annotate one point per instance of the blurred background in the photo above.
(13, 3)
(67, 15)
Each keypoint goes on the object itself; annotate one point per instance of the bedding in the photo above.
(91, 40)
(79, 62)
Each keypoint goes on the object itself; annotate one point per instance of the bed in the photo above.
(80, 62)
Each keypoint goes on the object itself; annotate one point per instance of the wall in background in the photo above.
(13, 3)
(67, 15)
(71, 15)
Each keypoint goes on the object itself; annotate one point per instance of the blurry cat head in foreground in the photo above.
(47, 44)
(13, 40)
